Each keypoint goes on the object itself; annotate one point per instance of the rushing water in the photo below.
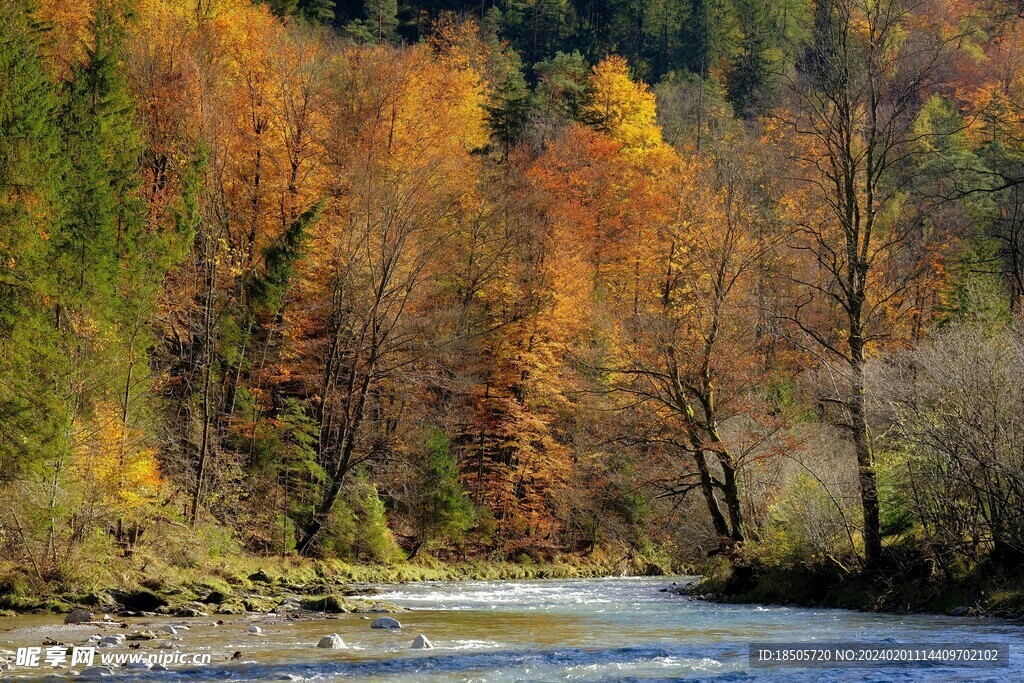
(622, 629)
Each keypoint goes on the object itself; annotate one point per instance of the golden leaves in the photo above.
(118, 471)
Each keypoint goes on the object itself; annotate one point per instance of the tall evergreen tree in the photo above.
(32, 418)
(382, 19)
(105, 216)
(322, 11)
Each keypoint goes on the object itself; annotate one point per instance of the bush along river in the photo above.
(616, 629)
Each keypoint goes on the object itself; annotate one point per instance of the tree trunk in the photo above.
(865, 464)
(707, 487)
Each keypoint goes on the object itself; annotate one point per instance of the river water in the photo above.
(616, 629)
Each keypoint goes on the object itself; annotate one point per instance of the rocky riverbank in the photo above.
(275, 585)
(983, 591)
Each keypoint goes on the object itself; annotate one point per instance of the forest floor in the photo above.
(982, 590)
(245, 583)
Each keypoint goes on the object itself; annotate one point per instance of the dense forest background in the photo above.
(511, 279)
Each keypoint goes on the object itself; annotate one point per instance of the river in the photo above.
(616, 629)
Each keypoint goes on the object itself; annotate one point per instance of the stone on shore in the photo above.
(386, 622)
(78, 616)
(260, 576)
(141, 600)
(324, 603)
(331, 642)
(422, 643)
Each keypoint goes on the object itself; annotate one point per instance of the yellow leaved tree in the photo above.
(622, 108)
(117, 473)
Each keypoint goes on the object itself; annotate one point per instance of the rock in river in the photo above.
(96, 672)
(78, 616)
(331, 642)
(386, 622)
(422, 643)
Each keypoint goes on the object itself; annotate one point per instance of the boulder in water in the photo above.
(331, 642)
(254, 630)
(145, 634)
(78, 616)
(96, 672)
(386, 622)
(422, 643)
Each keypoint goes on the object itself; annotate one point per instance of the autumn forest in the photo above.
(732, 285)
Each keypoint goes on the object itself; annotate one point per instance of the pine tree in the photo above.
(563, 82)
(283, 8)
(444, 511)
(752, 76)
(321, 11)
(105, 217)
(509, 104)
(382, 19)
(32, 417)
(710, 34)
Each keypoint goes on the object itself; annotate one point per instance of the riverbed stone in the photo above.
(167, 628)
(138, 665)
(386, 622)
(331, 642)
(422, 643)
(144, 634)
(254, 630)
(78, 616)
(96, 672)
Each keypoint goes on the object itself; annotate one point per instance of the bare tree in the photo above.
(859, 250)
(956, 399)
